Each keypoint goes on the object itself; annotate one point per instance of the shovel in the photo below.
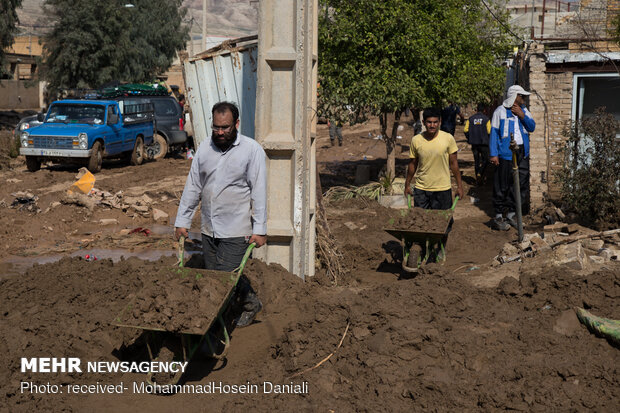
(516, 185)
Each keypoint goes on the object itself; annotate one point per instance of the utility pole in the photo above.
(204, 25)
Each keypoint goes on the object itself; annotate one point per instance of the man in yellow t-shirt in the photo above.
(433, 154)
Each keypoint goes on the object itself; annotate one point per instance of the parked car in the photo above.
(169, 123)
(28, 122)
(86, 131)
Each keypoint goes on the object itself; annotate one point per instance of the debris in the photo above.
(78, 199)
(141, 230)
(108, 221)
(350, 225)
(25, 201)
(84, 184)
(509, 250)
(560, 213)
(140, 208)
(593, 244)
(609, 254)
(572, 255)
(159, 215)
(89, 257)
(539, 244)
(54, 204)
(557, 227)
(13, 180)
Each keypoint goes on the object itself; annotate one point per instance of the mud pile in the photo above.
(424, 220)
(178, 299)
(432, 342)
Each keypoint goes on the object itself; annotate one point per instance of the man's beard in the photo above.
(224, 141)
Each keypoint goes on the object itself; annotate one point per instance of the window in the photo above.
(166, 107)
(591, 91)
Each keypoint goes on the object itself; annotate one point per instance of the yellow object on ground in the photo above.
(84, 184)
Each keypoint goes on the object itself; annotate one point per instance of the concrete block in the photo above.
(393, 201)
(509, 250)
(572, 255)
(593, 244)
(609, 254)
(159, 215)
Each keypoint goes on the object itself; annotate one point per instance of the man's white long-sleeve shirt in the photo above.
(232, 186)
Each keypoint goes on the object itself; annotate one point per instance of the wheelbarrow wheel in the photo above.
(414, 256)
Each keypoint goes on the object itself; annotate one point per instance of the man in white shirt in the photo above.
(228, 174)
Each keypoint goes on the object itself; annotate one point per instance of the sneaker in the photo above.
(332, 142)
(339, 143)
(500, 224)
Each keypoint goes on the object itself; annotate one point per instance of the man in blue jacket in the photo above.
(512, 119)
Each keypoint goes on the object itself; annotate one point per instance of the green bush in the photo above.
(590, 174)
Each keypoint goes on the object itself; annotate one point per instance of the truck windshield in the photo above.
(76, 113)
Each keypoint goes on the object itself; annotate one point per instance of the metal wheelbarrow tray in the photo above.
(428, 240)
(211, 311)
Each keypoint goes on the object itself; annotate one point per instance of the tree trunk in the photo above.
(390, 144)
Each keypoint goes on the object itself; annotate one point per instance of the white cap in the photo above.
(513, 91)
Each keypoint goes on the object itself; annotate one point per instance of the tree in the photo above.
(381, 56)
(98, 41)
(8, 22)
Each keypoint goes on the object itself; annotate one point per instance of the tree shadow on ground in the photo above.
(343, 173)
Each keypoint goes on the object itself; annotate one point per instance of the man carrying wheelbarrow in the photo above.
(229, 175)
(433, 155)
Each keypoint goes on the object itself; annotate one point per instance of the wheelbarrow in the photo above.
(431, 243)
(190, 340)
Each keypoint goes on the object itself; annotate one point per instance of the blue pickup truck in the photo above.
(86, 131)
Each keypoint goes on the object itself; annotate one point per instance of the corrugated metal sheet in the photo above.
(228, 73)
(563, 57)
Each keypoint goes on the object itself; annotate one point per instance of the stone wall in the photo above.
(20, 95)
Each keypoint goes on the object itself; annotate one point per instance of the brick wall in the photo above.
(551, 107)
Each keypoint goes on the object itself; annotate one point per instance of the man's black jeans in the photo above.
(503, 192)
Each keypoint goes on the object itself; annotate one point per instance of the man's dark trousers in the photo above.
(225, 254)
(481, 158)
(503, 192)
(432, 199)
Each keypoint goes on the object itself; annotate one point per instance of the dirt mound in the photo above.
(424, 220)
(178, 299)
(434, 341)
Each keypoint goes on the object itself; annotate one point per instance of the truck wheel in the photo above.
(160, 146)
(33, 163)
(96, 158)
(137, 155)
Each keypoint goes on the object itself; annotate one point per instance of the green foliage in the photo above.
(98, 41)
(385, 55)
(8, 21)
(380, 56)
(590, 174)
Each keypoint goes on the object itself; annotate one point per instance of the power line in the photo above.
(499, 21)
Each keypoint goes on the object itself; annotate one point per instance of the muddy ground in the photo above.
(466, 335)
